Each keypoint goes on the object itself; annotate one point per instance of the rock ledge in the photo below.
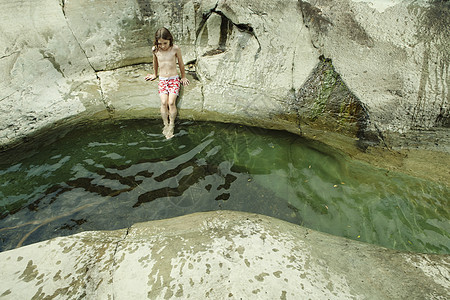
(218, 255)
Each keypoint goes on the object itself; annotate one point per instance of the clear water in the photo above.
(113, 175)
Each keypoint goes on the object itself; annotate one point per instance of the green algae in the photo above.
(329, 80)
(327, 103)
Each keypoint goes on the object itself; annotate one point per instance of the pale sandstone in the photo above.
(61, 59)
(218, 255)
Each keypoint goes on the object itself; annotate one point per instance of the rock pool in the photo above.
(114, 174)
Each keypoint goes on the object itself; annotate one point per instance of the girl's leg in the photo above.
(164, 108)
(172, 109)
(172, 115)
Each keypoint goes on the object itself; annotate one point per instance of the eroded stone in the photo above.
(217, 254)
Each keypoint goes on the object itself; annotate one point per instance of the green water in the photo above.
(112, 175)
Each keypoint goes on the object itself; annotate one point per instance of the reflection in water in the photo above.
(116, 175)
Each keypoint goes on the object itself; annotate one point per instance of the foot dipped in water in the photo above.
(165, 129)
(168, 131)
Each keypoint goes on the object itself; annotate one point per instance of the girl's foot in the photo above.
(169, 132)
(165, 129)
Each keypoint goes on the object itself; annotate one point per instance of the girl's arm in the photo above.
(184, 80)
(155, 68)
(155, 65)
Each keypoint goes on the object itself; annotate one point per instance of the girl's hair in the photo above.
(163, 33)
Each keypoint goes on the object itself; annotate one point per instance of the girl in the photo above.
(165, 58)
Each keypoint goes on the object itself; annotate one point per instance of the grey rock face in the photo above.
(386, 73)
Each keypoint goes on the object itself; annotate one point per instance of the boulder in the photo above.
(254, 67)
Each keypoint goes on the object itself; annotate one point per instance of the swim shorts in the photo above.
(169, 85)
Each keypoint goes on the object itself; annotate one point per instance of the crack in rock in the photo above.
(10, 54)
(109, 107)
(114, 262)
(118, 242)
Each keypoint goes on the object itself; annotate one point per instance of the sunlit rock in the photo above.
(218, 255)
(377, 71)
(251, 63)
(45, 76)
(393, 57)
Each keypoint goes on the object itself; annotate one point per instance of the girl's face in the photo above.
(163, 44)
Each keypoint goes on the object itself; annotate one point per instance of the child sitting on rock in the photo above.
(165, 58)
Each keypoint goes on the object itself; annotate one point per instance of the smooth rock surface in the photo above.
(45, 76)
(394, 58)
(218, 255)
(250, 63)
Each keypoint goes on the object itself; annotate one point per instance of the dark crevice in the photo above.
(205, 19)
(241, 27)
(226, 28)
(63, 7)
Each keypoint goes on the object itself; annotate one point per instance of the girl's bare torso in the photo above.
(167, 61)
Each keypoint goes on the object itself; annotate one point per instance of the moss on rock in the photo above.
(325, 101)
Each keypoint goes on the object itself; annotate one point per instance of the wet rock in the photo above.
(325, 102)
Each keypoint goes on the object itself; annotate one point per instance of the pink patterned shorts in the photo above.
(169, 85)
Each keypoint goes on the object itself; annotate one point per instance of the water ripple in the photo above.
(120, 174)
